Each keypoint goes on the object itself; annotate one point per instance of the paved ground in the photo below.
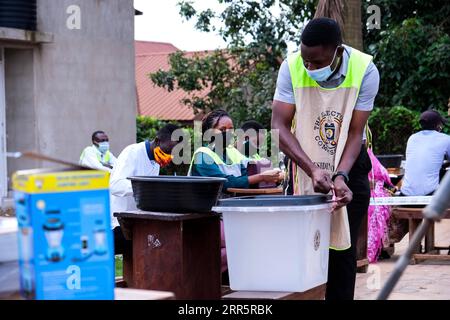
(427, 280)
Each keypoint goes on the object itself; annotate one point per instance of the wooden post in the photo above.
(413, 225)
(429, 239)
(361, 247)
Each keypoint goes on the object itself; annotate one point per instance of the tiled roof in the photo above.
(152, 100)
(150, 47)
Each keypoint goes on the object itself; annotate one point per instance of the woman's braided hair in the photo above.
(212, 118)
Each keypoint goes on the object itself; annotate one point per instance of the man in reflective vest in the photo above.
(322, 102)
(97, 156)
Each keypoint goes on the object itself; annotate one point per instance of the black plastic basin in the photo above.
(390, 160)
(176, 193)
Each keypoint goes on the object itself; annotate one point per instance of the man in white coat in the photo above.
(139, 159)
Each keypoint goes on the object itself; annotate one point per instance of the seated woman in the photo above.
(254, 138)
(219, 158)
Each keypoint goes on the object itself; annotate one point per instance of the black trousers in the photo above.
(342, 264)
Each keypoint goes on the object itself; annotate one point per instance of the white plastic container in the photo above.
(276, 247)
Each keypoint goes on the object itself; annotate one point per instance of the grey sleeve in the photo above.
(369, 89)
(284, 91)
(448, 147)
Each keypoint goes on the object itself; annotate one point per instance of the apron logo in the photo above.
(327, 127)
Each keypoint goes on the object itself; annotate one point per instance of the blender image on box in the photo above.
(53, 228)
(100, 238)
(66, 248)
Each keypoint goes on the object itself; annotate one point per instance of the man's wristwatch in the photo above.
(342, 174)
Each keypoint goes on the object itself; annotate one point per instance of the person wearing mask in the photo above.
(254, 139)
(219, 158)
(425, 154)
(98, 156)
(138, 159)
(327, 90)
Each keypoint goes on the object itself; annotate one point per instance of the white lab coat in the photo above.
(90, 159)
(132, 161)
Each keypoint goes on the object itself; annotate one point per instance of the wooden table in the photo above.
(119, 294)
(430, 250)
(253, 192)
(317, 293)
(173, 252)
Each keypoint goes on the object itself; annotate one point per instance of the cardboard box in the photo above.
(66, 248)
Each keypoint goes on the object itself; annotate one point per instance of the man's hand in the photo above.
(321, 180)
(343, 194)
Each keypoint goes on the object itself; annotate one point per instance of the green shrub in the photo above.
(391, 129)
(147, 127)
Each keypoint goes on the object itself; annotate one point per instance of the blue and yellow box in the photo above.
(66, 248)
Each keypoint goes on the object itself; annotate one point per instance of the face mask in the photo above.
(162, 158)
(322, 74)
(103, 146)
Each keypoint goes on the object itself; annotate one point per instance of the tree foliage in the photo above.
(412, 53)
(242, 78)
(391, 128)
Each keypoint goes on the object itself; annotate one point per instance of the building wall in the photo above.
(84, 79)
(20, 108)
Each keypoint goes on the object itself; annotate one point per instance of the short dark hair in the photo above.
(96, 133)
(165, 133)
(322, 32)
(252, 124)
(431, 120)
(212, 118)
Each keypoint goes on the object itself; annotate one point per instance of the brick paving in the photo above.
(427, 280)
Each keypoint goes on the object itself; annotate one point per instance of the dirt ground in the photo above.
(427, 280)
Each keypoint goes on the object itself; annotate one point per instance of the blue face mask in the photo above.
(103, 146)
(322, 74)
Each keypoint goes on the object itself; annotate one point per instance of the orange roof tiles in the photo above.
(152, 100)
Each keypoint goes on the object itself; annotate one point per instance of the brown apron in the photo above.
(321, 126)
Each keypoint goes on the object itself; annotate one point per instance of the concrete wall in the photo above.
(20, 108)
(84, 79)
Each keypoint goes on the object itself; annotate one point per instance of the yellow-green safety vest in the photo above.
(237, 159)
(106, 159)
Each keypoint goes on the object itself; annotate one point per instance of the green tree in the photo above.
(412, 53)
(242, 78)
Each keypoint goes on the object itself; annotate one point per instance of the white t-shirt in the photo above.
(90, 158)
(425, 154)
(132, 161)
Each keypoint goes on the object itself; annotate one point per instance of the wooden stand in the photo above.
(430, 250)
(173, 252)
(253, 192)
(317, 293)
(119, 294)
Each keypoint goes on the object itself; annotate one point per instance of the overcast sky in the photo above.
(161, 21)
